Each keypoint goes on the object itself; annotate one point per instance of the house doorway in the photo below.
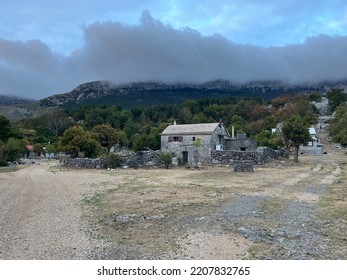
(184, 157)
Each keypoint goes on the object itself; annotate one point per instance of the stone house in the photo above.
(180, 139)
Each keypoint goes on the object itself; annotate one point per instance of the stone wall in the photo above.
(136, 160)
(261, 156)
(85, 162)
(150, 158)
(243, 166)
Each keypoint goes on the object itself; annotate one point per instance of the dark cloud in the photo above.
(153, 51)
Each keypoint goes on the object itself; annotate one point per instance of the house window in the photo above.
(193, 138)
(175, 138)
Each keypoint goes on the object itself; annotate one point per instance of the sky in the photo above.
(50, 47)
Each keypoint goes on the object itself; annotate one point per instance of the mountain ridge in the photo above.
(136, 94)
(129, 95)
(14, 100)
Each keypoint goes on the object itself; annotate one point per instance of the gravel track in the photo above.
(40, 217)
(292, 227)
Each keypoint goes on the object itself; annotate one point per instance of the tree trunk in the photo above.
(296, 153)
(196, 158)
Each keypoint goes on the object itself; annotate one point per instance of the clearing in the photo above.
(281, 211)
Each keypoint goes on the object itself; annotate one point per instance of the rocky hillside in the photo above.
(12, 100)
(16, 108)
(137, 94)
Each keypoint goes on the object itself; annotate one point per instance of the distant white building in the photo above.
(313, 147)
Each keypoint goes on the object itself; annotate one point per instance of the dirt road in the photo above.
(40, 216)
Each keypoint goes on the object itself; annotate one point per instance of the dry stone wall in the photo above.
(243, 166)
(150, 159)
(261, 156)
(95, 163)
(136, 160)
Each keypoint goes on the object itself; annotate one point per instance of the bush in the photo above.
(166, 159)
(113, 161)
(3, 163)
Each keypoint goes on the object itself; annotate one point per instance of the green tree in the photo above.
(185, 115)
(12, 150)
(76, 140)
(106, 135)
(201, 118)
(85, 144)
(196, 154)
(50, 149)
(28, 134)
(130, 128)
(166, 159)
(70, 134)
(237, 122)
(315, 97)
(141, 142)
(338, 128)
(113, 161)
(336, 96)
(38, 148)
(264, 138)
(295, 131)
(5, 129)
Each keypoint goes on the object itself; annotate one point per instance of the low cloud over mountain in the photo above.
(153, 51)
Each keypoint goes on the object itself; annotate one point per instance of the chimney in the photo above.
(175, 122)
(233, 132)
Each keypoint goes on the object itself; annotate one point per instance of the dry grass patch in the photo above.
(333, 207)
(171, 213)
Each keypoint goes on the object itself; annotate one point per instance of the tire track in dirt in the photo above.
(286, 218)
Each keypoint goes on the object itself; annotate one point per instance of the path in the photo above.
(40, 218)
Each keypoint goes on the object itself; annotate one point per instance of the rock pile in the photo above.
(140, 159)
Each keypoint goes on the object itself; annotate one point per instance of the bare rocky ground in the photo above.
(281, 211)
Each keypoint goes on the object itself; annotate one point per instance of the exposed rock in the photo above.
(323, 106)
(147, 158)
(148, 93)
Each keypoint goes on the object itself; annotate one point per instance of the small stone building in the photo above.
(314, 146)
(180, 139)
(241, 143)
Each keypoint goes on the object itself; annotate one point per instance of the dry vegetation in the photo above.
(214, 213)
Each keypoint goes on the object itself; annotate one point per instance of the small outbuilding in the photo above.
(314, 146)
(241, 143)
